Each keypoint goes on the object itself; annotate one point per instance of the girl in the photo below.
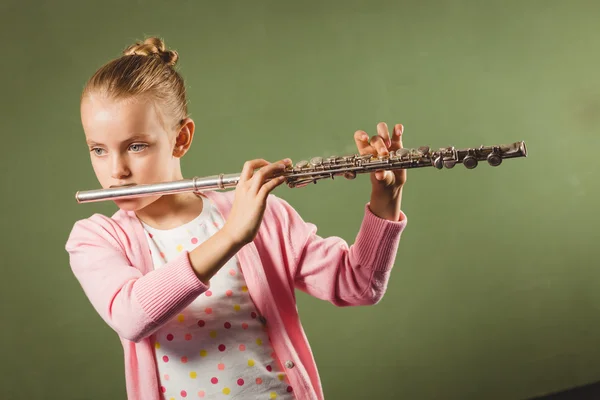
(200, 287)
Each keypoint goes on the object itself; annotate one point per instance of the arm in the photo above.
(134, 304)
(330, 269)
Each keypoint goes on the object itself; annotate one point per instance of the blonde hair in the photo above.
(145, 69)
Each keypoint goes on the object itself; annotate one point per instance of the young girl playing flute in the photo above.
(200, 287)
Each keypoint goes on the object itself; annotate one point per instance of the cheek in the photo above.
(100, 169)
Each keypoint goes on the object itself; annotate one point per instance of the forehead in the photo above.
(105, 119)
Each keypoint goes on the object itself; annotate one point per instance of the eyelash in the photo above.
(144, 146)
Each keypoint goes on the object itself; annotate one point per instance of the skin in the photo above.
(130, 143)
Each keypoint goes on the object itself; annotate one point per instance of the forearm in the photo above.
(208, 258)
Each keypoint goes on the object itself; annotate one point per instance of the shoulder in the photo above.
(99, 228)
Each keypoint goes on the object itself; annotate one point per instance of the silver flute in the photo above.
(306, 172)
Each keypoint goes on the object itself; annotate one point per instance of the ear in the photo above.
(184, 137)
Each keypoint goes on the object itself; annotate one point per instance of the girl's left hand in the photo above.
(382, 144)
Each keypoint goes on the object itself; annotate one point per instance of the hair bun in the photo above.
(153, 47)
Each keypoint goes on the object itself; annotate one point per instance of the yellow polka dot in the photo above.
(236, 307)
(157, 345)
(244, 288)
(180, 318)
(193, 375)
(172, 398)
(226, 390)
(281, 376)
(203, 353)
(258, 342)
(273, 395)
(213, 334)
(251, 363)
(179, 247)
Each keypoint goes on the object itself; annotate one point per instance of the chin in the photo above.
(135, 204)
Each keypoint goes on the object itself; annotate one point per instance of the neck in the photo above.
(171, 211)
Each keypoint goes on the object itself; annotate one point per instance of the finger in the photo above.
(382, 131)
(377, 143)
(362, 142)
(249, 167)
(267, 172)
(269, 186)
(381, 150)
(397, 137)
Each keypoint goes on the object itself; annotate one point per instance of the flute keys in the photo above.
(450, 163)
(494, 159)
(438, 162)
(423, 150)
(402, 152)
(316, 161)
(301, 164)
(470, 162)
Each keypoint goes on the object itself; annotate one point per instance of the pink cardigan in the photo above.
(112, 262)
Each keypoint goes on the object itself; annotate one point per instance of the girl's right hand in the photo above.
(251, 198)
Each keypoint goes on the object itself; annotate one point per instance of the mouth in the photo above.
(120, 186)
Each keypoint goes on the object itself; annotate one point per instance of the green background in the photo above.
(494, 293)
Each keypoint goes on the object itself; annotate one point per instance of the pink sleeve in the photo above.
(329, 269)
(132, 304)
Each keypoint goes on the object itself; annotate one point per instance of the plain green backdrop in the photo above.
(495, 290)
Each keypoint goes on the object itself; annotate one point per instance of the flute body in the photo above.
(306, 172)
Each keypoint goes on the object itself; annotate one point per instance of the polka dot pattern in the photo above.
(219, 345)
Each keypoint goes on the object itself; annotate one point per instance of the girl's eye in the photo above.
(137, 147)
(97, 150)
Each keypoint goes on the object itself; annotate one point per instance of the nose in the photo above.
(119, 167)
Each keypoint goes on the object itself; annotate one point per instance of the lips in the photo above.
(120, 186)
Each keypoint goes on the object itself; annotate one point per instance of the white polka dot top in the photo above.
(217, 347)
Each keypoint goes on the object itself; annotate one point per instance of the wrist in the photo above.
(386, 204)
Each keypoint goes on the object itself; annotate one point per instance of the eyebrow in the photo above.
(129, 139)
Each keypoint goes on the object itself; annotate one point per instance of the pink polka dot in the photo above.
(163, 389)
(221, 347)
(240, 382)
(232, 272)
(194, 240)
(165, 359)
(258, 381)
(208, 310)
(184, 359)
(289, 389)
(166, 377)
(150, 252)
(215, 224)
(269, 368)
(221, 366)
(150, 235)
(245, 325)
(201, 393)
(229, 293)
(170, 337)
(208, 293)
(188, 336)
(253, 314)
(214, 380)
(183, 393)
(227, 325)
(242, 347)
(201, 323)
(162, 254)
